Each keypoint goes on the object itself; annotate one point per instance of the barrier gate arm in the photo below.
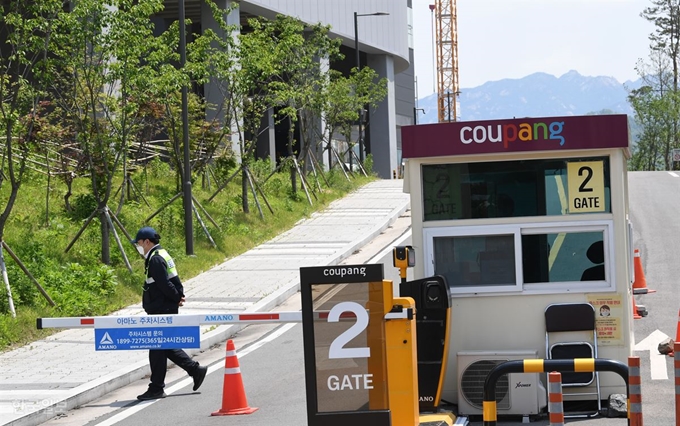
(203, 319)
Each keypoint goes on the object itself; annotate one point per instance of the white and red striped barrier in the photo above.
(203, 319)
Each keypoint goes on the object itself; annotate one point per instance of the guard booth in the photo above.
(519, 215)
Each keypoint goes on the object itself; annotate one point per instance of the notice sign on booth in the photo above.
(608, 314)
(147, 332)
(585, 180)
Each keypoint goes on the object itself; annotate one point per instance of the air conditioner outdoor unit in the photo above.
(516, 393)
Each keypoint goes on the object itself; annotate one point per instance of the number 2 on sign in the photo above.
(589, 174)
(337, 348)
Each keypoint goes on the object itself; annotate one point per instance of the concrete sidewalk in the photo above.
(63, 371)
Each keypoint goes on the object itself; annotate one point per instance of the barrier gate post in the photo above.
(676, 364)
(345, 382)
(555, 399)
(634, 391)
(401, 363)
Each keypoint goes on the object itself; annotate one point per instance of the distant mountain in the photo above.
(538, 95)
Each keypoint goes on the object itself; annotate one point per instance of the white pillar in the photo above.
(382, 121)
(319, 135)
(213, 90)
(266, 139)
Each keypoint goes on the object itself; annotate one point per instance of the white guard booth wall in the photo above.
(518, 215)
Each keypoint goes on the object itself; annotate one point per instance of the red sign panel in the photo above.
(516, 135)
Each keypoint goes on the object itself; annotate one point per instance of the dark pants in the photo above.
(158, 360)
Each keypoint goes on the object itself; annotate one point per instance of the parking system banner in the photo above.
(147, 332)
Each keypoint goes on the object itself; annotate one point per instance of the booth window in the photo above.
(525, 257)
(501, 189)
(472, 261)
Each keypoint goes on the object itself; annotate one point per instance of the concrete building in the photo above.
(385, 45)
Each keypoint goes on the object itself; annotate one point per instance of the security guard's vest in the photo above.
(171, 269)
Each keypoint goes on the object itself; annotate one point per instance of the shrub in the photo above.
(82, 206)
(79, 290)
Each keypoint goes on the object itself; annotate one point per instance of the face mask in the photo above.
(140, 249)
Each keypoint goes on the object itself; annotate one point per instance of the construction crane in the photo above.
(446, 33)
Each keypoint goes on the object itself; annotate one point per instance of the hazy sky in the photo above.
(500, 39)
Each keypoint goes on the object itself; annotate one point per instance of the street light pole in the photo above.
(358, 62)
(415, 114)
(448, 103)
(188, 218)
(356, 49)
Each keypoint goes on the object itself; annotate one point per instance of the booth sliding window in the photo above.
(525, 257)
(554, 249)
(502, 189)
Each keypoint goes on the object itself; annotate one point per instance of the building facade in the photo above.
(385, 45)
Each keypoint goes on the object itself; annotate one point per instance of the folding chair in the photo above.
(573, 317)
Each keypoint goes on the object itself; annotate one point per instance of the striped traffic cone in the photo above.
(233, 394)
(677, 339)
(640, 283)
(636, 315)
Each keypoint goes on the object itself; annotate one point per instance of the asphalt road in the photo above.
(272, 362)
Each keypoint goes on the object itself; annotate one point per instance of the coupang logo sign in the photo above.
(511, 133)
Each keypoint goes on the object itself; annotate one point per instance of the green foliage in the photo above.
(75, 288)
(368, 164)
(81, 285)
(657, 102)
(83, 205)
(159, 169)
(14, 330)
(95, 284)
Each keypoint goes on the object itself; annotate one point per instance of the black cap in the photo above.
(146, 233)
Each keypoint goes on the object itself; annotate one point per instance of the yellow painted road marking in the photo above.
(554, 250)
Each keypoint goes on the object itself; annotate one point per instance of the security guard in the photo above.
(163, 294)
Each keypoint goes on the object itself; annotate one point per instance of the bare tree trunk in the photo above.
(106, 237)
(244, 185)
(291, 135)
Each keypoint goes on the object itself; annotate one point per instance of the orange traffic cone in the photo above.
(635, 310)
(640, 283)
(233, 395)
(677, 336)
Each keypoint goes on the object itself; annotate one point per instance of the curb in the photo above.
(95, 389)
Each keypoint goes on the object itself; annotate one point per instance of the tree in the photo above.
(665, 15)
(24, 68)
(652, 112)
(656, 104)
(656, 112)
(300, 83)
(28, 27)
(205, 137)
(105, 82)
(243, 67)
